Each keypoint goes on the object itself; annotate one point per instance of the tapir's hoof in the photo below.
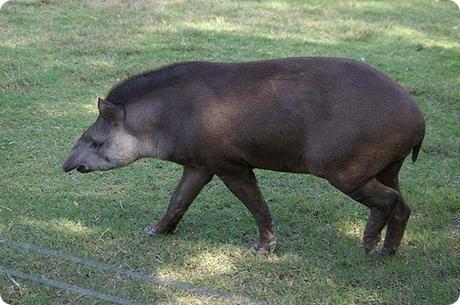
(151, 230)
(370, 243)
(368, 250)
(381, 251)
(262, 249)
(386, 251)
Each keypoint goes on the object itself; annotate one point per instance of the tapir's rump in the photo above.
(334, 118)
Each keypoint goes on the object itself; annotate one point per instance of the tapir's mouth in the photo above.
(83, 169)
(80, 168)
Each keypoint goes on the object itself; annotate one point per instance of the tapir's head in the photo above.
(107, 144)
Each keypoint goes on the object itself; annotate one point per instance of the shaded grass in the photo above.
(56, 57)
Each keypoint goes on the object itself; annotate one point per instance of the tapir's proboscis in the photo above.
(337, 119)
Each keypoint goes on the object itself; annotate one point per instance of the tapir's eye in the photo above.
(96, 145)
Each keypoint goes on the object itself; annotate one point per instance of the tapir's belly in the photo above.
(290, 158)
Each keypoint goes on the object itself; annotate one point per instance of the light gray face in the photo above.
(106, 144)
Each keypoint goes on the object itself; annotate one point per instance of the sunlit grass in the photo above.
(418, 37)
(61, 226)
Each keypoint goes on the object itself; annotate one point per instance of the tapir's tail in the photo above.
(415, 151)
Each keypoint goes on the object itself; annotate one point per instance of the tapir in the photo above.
(337, 119)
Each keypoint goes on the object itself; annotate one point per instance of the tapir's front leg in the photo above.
(190, 185)
(244, 186)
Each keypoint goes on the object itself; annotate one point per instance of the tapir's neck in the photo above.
(155, 129)
(156, 146)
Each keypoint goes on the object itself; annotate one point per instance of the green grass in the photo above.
(57, 57)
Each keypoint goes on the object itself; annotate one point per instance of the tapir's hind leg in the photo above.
(397, 222)
(380, 199)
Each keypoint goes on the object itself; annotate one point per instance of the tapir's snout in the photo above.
(67, 168)
(69, 164)
(73, 162)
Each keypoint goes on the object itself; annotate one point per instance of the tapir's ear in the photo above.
(110, 112)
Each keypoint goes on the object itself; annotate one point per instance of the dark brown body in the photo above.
(334, 118)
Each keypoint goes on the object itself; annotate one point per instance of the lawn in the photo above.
(57, 57)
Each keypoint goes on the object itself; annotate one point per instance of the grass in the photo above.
(56, 57)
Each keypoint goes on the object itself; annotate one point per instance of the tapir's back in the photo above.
(303, 114)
